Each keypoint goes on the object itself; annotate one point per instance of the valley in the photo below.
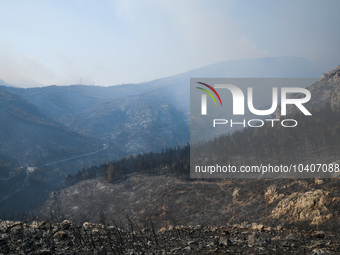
(118, 156)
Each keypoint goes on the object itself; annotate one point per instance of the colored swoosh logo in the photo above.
(209, 93)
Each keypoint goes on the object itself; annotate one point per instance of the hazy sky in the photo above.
(108, 42)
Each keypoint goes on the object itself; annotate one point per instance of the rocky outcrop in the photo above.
(271, 195)
(324, 92)
(309, 206)
(328, 87)
(69, 238)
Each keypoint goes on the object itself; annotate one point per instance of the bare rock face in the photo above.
(334, 75)
(324, 92)
(308, 206)
(271, 195)
(328, 87)
(335, 99)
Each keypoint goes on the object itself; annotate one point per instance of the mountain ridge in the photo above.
(83, 108)
(28, 131)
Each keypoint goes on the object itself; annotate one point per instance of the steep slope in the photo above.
(315, 139)
(32, 137)
(169, 201)
(327, 90)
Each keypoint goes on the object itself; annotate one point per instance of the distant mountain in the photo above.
(136, 124)
(60, 101)
(150, 115)
(2, 83)
(178, 90)
(276, 67)
(32, 137)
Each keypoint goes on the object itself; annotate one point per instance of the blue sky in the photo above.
(109, 42)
